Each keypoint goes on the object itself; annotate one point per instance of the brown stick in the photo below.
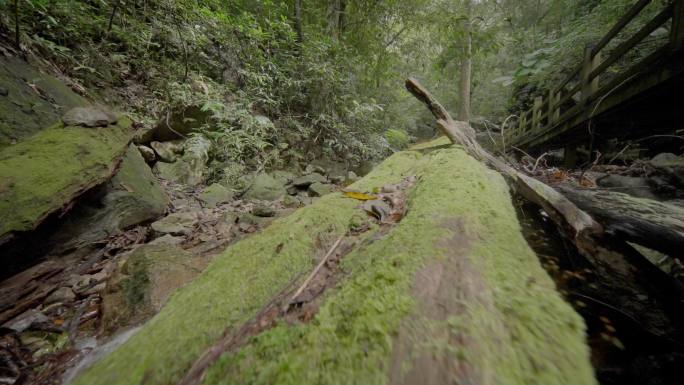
(579, 224)
(313, 273)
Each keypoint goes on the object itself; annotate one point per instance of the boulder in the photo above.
(216, 194)
(191, 168)
(635, 186)
(167, 151)
(305, 181)
(88, 117)
(176, 223)
(131, 197)
(31, 100)
(61, 295)
(140, 287)
(319, 189)
(147, 153)
(264, 211)
(671, 165)
(168, 240)
(44, 173)
(265, 188)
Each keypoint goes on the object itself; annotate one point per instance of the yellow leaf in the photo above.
(359, 195)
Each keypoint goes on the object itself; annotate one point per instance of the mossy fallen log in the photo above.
(44, 173)
(451, 294)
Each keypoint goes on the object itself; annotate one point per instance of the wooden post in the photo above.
(554, 107)
(589, 87)
(570, 156)
(677, 31)
(536, 112)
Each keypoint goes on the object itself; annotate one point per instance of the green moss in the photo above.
(528, 335)
(397, 139)
(24, 111)
(43, 173)
(234, 287)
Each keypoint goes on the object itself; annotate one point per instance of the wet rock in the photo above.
(26, 320)
(167, 151)
(147, 153)
(263, 211)
(176, 223)
(319, 189)
(63, 295)
(88, 117)
(216, 194)
(265, 188)
(307, 180)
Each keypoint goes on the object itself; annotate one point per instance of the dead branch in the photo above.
(579, 224)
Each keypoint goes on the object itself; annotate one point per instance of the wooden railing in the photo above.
(560, 109)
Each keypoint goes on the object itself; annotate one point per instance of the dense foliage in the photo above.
(326, 81)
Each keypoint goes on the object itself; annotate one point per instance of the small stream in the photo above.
(622, 352)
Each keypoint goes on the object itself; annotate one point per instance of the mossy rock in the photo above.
(25, 110)
(131, 197)
(452, 294)
(44, 173)
(265, 188)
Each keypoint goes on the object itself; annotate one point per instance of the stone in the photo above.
(313, 168)
(666, 159)
(671, 165)
(216, 194)
(306, 180)
(351, 177)
(191, 168)
(37, 91)
(265, 188)
(291, 201)
(319, 189)
(292, 190)
(168, 240)
(283, 176)
(131, 197)
(635, 186)
(176, 223)
(147, 153)
(337, 179)
(167, 151)
(263, 211)
(25, 320)
(88, 117)
(62, 295)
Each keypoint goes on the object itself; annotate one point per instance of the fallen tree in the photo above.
(657, 225)
(451, 293)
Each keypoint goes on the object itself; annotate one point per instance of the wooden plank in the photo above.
(589, 85)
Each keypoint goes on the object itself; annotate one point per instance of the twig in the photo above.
(619, 153)
(313, 273)
(503, 132)
(538, 160)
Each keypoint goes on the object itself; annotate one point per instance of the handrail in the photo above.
(549, 112)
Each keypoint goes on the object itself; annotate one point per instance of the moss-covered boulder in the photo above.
(265, 188)
(44, 173)
(31, 100)
(131, 197)
(451, 294)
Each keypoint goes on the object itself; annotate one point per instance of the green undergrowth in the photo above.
(528, 336)
(43, 173)
(235, 286)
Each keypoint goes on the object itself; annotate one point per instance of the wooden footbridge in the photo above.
(597, 101)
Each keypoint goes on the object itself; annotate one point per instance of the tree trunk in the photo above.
(657, 225)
